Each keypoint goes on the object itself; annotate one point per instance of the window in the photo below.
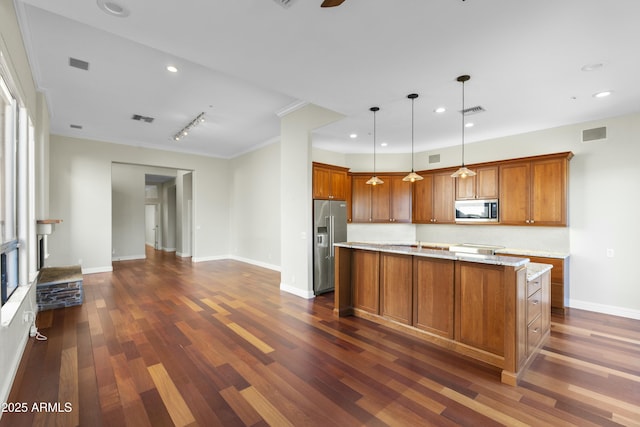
(8, 202)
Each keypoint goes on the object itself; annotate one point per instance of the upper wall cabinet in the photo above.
(384, 203)
(433, 198)
(484, 185)
(534, 191)
(330, 182)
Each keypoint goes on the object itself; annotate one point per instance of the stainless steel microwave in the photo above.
(477, 210)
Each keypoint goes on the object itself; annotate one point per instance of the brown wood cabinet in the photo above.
(534, 192)
(484, 311)
(559, 276)
(484, 185)
(396, 287)
(384, 203)
(360, 199)
(329, 182)
(433, 295)
(433, 198)
(531, 191)
(480, 311)
(365, 270)
(538, 312)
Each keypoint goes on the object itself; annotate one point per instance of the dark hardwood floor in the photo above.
(165, 342)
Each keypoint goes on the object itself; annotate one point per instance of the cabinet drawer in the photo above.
(533, 306)
(534, 334)
(534, 286)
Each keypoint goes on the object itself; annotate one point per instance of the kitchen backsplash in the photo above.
(555, 239)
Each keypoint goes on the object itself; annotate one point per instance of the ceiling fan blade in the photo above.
(331, 3)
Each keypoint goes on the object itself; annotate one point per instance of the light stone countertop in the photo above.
(530, 252)
(536, 269)
(512, 251)
(436, 253)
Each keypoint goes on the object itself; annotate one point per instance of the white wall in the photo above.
(255, 207)
(127, 212)
(14, 330)
(81, 196)
(295, 192)
(169, 216)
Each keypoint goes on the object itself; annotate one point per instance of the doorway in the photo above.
(149, 211)
(152, 226)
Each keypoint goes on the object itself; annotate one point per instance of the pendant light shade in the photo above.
(412, 177)
(374, 180)
(463, 172)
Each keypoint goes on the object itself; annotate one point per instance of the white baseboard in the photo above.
(257, 263)
(128, 257)
(96, 270)
(297, 291)
(209, 258)
(169, 249)
(605, 309)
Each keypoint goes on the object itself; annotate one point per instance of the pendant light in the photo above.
(412, 177)
(463, 172)
(374, 180)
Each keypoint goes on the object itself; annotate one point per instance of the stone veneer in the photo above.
(59, 287)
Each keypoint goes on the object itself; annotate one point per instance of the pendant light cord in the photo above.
(463, 123)
(374, 143)
(412, 101)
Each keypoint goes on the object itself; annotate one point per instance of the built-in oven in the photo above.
(477, 210)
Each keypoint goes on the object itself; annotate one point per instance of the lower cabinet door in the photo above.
(433, 295)
(366, 278)
(396, 277)
(480, 308)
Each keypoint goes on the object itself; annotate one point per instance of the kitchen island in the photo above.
(495, 309)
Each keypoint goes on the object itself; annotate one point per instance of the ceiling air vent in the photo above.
(595, 134)
(434, 158)
(75, 126)
(473, 110)
(79, 63)
(140, 118)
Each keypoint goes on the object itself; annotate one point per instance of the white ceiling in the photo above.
(243, 61)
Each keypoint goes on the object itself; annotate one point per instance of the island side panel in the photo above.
(515, 303)
(396, 287)
(343, 303)
(433, 295)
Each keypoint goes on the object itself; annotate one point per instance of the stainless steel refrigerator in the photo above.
(329, 227)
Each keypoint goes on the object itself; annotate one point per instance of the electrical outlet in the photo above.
(610, 253)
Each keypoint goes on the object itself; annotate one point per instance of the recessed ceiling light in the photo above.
(468, 125)
(172, 69)
(602, 94)
(440, 110)
(113, 8)
(353, 136)
(384, 144)
(592, 67)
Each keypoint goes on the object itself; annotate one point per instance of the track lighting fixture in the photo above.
(185, 130)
